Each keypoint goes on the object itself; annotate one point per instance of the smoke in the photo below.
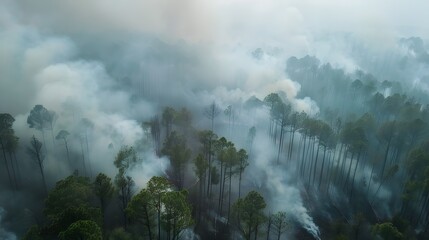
(278, 182)
(119, 63)
(4, 234)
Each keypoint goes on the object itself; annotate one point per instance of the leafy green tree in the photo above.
(82, 230)
(6, 132)
(175, 148)
(200, 169)
(103, 189)
(157, 187)
(126, 158)
(33, 233)
(387, 231)
(243, 163)
(68, 202)
(249, 214)
(176, 214)
(142, 210)
(119, 234)
(207, 138)
(280, 223)
(125, 185)
(73, 191)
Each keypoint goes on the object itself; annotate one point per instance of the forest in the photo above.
(213, 120)
(370, 154)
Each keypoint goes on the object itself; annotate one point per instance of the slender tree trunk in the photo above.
(385, 159)
(229, 192)
(269, 227)
(315, 163)
(323, 164)
(6, 163)
(280, 143)
(67, 151)
(354, 174)
(349, 171)
(239, 182)
(13, 170)
(87, 152)
(42, 173)
(148, 223)
(83, 158)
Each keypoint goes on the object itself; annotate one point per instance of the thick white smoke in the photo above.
(278, 181)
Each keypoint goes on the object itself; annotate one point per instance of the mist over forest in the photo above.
(186, 120)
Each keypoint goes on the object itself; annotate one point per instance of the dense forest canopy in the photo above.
(214, 120)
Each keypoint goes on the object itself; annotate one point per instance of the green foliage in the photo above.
(74, 191)
(103, 188)
(83, 230)
(249, 212)
(119, 234)
(33, 233)
(142, 208)
(387, 231)
(177, 213)
(175, 148)
(126, 158)
(201, 166)
(159, 205)
(73, 214)
(279, 221)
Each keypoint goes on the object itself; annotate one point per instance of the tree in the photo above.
(141, 209)
(124, 185)
(243, 163)
(175, 148)
(126, 158)
(82, 230)
(201, 166)
(62, 135)
(168, 116)
(103, 189)
(73, 191)
(183, 120)
(6, 133)
(85, 124)
(387, 231)
(176, 214)
(280, 223)
(33, 233)
(157, 187)
(41, 119)
(211, 112)
(35, 152)
(68, 202)
(207, 138)
(248, 212)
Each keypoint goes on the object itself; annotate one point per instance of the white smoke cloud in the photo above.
(4, 234)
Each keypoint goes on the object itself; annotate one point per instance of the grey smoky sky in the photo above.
(190, 46)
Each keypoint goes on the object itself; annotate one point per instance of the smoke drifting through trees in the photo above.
(111, 67)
